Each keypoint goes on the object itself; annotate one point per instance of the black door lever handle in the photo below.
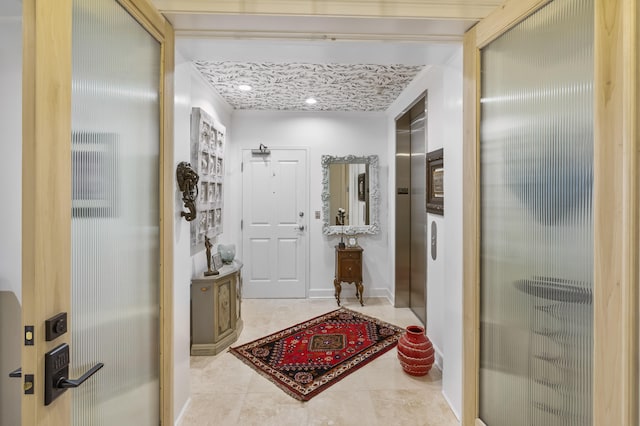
(16, 373)
(64, 383)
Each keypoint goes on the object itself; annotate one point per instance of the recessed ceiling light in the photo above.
(244, 87)
(310, 101)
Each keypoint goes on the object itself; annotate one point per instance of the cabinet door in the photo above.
(224, 307)
(351, 269)
(202, 313)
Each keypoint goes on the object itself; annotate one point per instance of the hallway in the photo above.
(224, 391)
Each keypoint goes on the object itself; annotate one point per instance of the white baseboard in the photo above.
(182, 412)
(455, 412)
(326, 293)
(439, 358)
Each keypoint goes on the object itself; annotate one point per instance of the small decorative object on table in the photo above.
(227, 252)
(352, 241)
(415, 351)
(340, 221)
(209, 272)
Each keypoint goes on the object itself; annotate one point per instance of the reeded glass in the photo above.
(115, 217)
(536, 156)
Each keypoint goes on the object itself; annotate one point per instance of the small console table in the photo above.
(215, 310)
(349, 270)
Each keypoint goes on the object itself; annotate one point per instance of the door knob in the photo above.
(301, 227)
(17, 373)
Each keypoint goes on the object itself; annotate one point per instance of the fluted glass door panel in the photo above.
(115, 216)
(536, 162)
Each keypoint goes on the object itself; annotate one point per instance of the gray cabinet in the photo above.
(215, 310)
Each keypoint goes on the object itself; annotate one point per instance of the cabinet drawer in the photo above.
(350, 255)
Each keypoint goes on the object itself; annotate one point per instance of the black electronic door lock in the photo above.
(56, 373)
(55, 326)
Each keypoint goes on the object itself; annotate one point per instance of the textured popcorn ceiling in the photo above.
(285, 86)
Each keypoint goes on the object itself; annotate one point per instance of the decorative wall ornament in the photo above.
(188, 185)
(285, 86)
(207, 156)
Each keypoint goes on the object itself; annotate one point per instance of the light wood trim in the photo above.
(631, 212)
(471, 228)
(147, 16)
(166, 226)
(504, 18)
(46, 189)
(631, 209)
(615, 214)
(212, 32)
(607, 209)
(433, 9)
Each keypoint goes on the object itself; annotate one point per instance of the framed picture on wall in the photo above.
(435, 182)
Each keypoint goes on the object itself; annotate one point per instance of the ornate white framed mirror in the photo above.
(350, 195)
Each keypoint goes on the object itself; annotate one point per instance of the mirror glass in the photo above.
(350, 194)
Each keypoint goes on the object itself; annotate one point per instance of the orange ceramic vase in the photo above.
(415, 351)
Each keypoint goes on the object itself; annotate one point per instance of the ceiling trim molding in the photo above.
(292, 35)
(440, 9)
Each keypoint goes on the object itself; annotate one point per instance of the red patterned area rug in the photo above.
(307, 358)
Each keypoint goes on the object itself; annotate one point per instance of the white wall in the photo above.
(11, 155)
(453, 263)
(190, 91)
(181, 249)
(444, 275)
(322, 133)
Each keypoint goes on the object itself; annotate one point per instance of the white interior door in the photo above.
(274, 216)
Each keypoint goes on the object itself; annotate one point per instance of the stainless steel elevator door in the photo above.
(417, 296)
(403, 211)
(411, 216)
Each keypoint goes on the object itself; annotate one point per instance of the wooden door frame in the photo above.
(46, 189)
(616, 179)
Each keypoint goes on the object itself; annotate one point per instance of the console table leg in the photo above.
(338, 290)
(360, 289)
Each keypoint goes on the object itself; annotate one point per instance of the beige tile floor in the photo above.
(224, 391)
